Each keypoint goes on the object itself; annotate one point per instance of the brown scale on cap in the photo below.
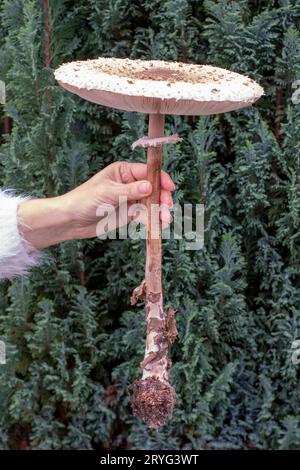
(182, 73)
(163, 74)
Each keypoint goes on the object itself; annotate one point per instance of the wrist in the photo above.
(45, 222)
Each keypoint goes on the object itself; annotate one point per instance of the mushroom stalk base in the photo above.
(153, 397)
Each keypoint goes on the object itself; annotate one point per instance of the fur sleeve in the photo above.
(17, 256)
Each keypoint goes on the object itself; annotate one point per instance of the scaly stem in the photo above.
(153, 397)
(153, 277)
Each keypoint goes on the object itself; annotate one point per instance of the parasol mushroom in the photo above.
(157, 88)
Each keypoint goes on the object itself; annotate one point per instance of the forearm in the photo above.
(45, 222)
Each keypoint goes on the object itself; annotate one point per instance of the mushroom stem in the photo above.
(153, 397)
(153, 276)
(154, 366)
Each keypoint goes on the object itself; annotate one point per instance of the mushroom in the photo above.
(157, 88)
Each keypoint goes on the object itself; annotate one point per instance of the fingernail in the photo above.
(144, 187)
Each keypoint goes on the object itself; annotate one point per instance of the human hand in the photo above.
(101, 194)
(75, 215)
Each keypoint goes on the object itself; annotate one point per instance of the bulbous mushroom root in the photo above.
(153, 401)
(153, 398)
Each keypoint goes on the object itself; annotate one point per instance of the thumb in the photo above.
(133, 191)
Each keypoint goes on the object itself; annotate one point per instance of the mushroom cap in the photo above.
(156, 86)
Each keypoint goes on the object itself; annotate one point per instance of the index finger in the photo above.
(138, 171)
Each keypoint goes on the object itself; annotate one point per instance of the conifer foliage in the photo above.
(73, 341)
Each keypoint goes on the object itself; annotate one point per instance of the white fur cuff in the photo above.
(17, 256)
